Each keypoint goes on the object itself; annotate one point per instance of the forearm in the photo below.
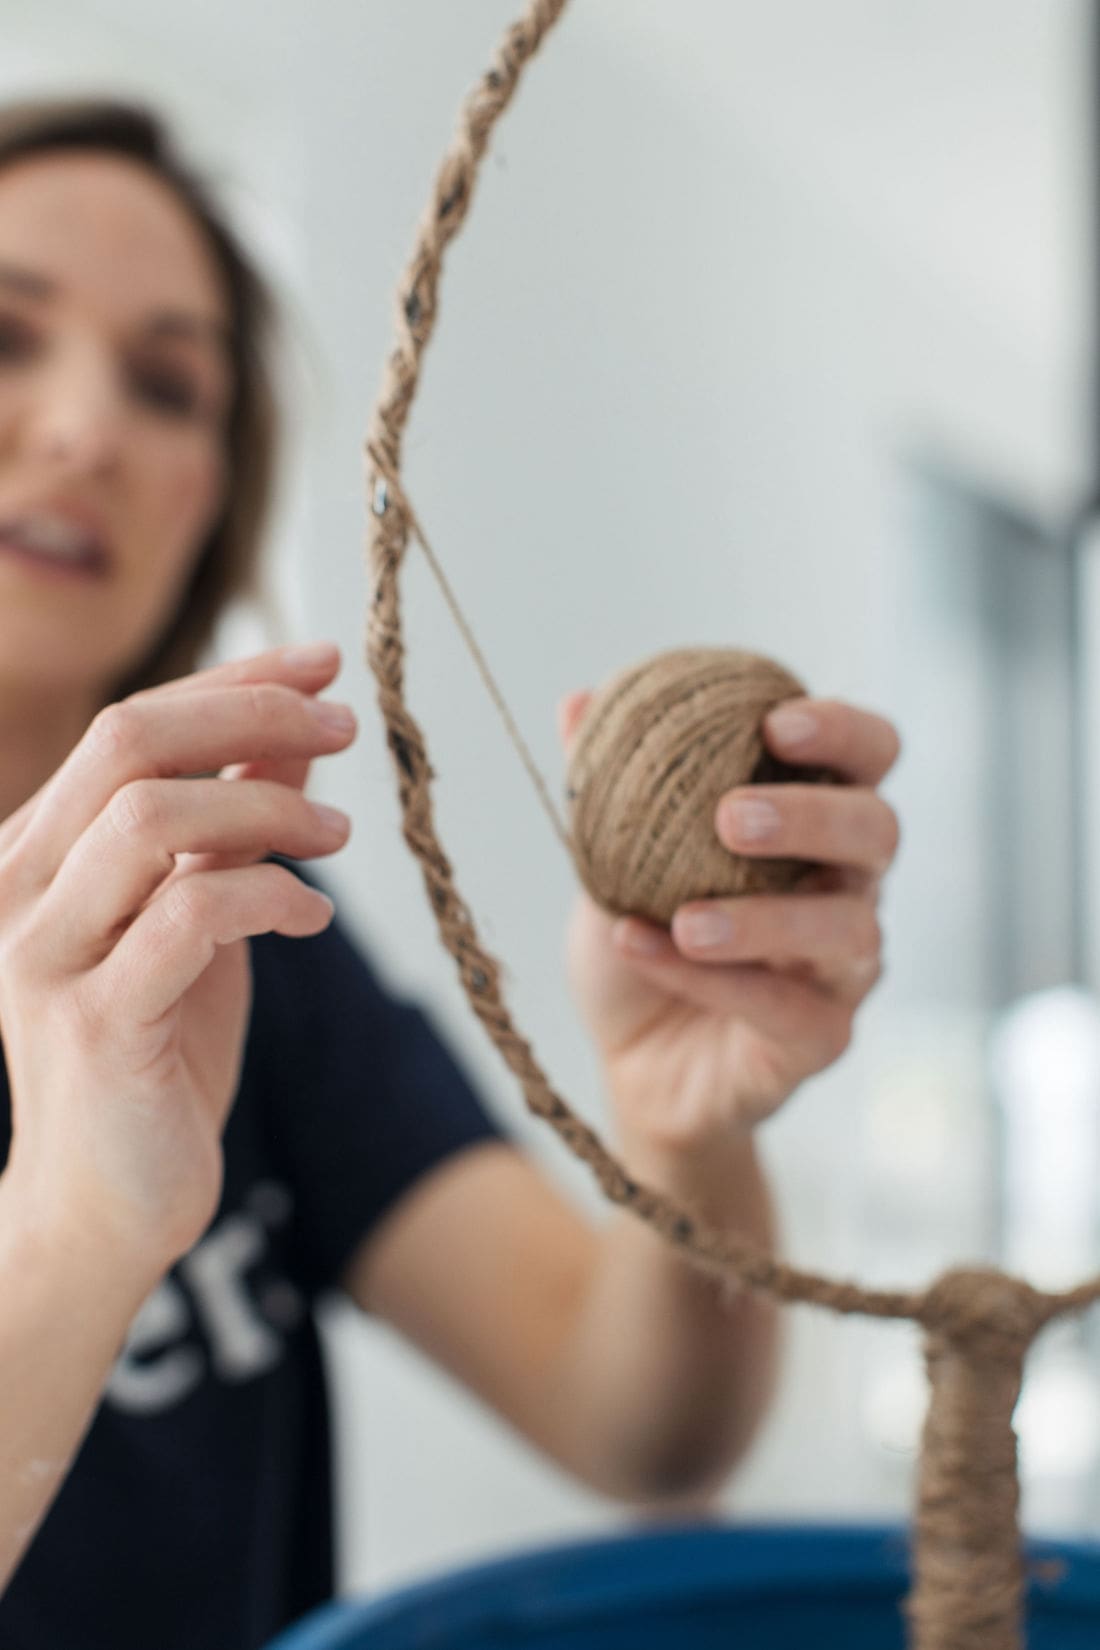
(65, 1307)
(671, 1368)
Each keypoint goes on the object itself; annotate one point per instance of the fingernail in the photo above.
(333, 819)
(703, 929)
(340, 718)
(751, 821)
(309, 655)
(792, 727)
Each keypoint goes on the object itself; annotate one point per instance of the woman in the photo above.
(218, 1111)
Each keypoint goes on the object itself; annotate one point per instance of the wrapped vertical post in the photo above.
(968, 1572)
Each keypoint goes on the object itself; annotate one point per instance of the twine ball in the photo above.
(657, 747)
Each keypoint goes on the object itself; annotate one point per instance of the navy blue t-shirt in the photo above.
(198, 1512)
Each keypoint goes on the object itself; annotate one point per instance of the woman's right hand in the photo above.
(125, 985)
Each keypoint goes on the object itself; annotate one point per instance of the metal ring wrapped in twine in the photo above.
(968, 1575)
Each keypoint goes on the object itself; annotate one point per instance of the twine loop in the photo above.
(968, 1575)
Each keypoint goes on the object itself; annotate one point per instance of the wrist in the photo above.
(49, 1238)
(719, 1180)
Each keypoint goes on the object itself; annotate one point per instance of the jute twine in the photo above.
(658, 747)
(968, 1577)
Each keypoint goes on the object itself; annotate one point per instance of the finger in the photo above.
(857, 744)
(846, 977)
(291, 771)
(571, 711)
(838, 929)
(850, 982)
(831, 823)
(127, 853)
(308, 668)
(787, 1009)
(145, 737)
(175, 938)
(840, 879)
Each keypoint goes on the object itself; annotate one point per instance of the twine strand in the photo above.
(381, 503)
(968, 1590)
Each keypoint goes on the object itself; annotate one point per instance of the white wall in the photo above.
(727, 263)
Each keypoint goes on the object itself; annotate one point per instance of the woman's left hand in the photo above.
(702, 1037)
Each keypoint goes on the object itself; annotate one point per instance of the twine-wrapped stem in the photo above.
(968, 1572)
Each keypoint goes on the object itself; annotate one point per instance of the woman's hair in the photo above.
(228, 565)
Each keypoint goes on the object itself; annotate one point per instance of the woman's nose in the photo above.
(74, 421)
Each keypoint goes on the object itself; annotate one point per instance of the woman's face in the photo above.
(115, 383)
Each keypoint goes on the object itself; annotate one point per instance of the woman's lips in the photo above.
(50, 567)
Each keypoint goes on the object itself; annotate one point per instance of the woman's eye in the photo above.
(169, 394)
(14, 341)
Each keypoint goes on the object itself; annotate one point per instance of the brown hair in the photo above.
(228, 565)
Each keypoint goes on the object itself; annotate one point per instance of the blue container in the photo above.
(696, 1587)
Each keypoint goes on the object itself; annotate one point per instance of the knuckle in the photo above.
(136, 808)
(267, 701)
(185, 905)
(116, 728)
